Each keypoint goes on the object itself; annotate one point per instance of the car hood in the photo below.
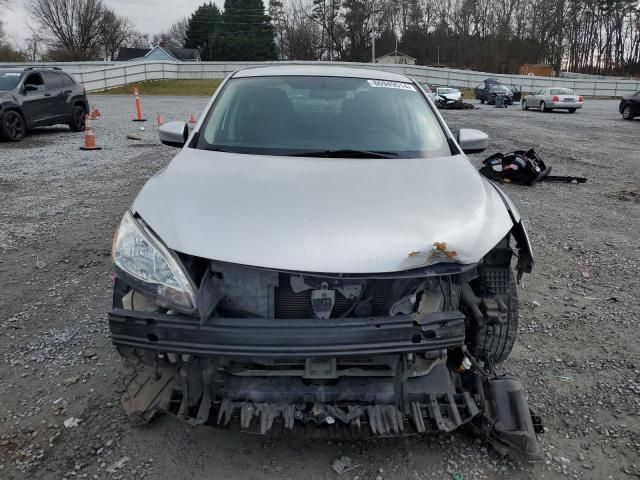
(6, 95)
(324, 214)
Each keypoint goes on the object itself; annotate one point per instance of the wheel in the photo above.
(627, 113)
(572, 110)
(13, 126)
(543, 107)
(481, 101)
(77, 118)
(524, 105)
(495, 342)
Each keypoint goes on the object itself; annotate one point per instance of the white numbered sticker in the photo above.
(387, 84)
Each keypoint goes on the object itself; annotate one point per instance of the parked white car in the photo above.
(449, 93)
(553, 98)
(322, 254)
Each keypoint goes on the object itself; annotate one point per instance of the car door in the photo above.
(635, 103)
(59, 92)
(37, 99)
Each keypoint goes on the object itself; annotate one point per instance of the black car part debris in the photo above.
(445, 103)
(523, 168)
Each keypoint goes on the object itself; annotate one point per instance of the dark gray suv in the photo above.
(39, 96)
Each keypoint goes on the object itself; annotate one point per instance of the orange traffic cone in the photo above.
(92, 115)
(139, 118)
(97, 112)
(192, 118)
(160, 120)
(89, 139)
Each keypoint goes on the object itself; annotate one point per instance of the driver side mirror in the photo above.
(472, 140)
(174, 134)
(30, 88)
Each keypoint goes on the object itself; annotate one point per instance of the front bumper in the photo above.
(290, 338)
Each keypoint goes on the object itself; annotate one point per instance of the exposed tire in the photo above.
(572, 110)
(524, 105)
(77, 118)
(481, 101)
(627, 113)
(495, 342)
(13, 127)
(543, 107)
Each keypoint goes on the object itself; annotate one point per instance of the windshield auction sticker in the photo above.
(386, 84)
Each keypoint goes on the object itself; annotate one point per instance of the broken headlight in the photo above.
(142, 257)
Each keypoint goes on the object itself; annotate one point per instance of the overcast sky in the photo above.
(149, 16)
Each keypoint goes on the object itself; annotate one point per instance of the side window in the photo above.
(36, 80)
(53, 80)
(68, 81)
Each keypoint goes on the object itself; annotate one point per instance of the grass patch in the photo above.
(194, 88)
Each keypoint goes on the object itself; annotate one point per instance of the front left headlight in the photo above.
(152, 268)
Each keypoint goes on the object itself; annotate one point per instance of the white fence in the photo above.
(98, 76)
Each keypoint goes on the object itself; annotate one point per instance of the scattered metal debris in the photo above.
(71, 422)
(118, 465)
(343, 464)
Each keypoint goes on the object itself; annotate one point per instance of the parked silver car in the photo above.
(321, 256)
(553, 98)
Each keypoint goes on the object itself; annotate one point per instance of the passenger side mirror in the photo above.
(472, 140)
(174, 134)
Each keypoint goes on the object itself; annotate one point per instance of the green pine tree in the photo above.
(248, 34)
(205, 31)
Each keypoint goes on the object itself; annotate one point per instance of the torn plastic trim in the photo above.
(523, 244)
(287, 338)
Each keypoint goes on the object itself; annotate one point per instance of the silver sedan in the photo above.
(552, 98)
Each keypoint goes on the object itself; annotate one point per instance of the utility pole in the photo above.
(373, 46)
(438, 55)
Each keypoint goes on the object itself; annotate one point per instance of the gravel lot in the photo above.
(578, 352)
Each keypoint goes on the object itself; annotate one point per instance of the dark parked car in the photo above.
(630, 106)
(39, 96)
(487, 91)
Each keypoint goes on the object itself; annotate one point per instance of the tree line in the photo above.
(588, 36)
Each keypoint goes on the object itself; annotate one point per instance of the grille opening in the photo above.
(289, 304)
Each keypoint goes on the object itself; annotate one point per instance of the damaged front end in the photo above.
(325, 355)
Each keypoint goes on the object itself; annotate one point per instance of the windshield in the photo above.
(327, 116)
(448, 90)
(561, 91)
(498, 88)
(9, 80)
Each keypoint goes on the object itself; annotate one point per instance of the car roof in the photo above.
(320, 71)
(11, 69)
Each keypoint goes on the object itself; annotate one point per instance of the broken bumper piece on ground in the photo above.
(306, 380)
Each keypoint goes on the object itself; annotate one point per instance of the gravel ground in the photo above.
(577, 354)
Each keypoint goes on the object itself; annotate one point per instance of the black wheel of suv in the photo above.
(13, 127)
(495, 342)
(77, 118)
(627, 114)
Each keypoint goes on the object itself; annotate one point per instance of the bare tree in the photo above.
(73, 26)
(115, 31)
(173, 37)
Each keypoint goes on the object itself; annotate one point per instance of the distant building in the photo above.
(537, 69)
(159, 53)
(396, 57)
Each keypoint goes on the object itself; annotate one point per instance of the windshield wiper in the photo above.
(346, 154)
